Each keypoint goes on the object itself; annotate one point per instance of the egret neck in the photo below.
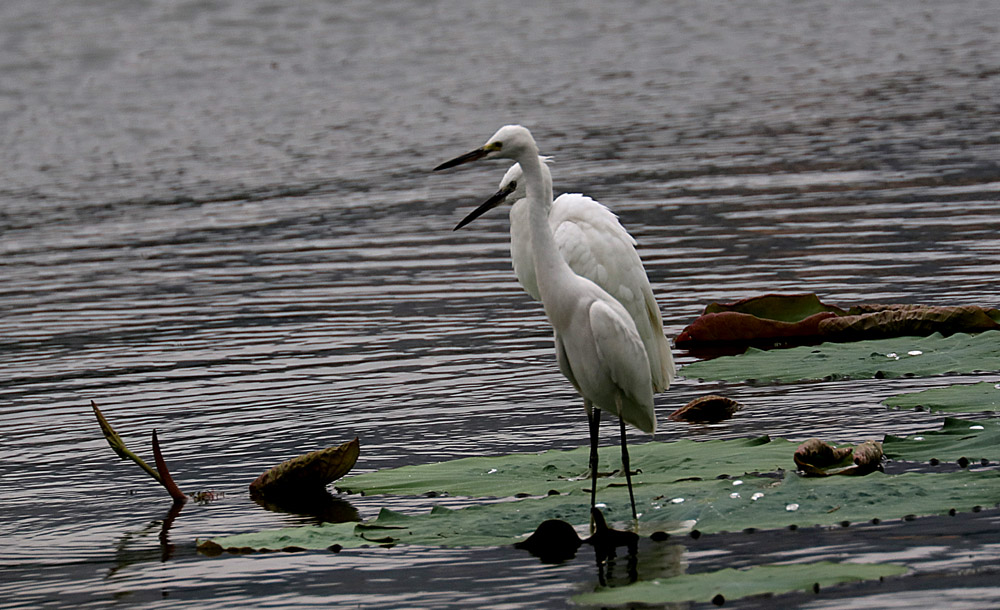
(551, 268)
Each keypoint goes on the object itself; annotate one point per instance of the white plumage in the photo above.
(595, 245)
(598, 345)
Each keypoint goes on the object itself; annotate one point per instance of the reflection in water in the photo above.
(322, 506)
(125, 556)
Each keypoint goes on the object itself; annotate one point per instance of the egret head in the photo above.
(509, 142)
(512, 188)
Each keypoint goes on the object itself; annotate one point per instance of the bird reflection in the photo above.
(556, 541)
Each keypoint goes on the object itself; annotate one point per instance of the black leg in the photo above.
(628, 471)
(595, 421)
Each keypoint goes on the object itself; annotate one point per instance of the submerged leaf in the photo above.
(934, 355)
(734, 584)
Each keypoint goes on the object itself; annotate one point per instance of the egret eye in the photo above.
(512, 185)
(495, 146)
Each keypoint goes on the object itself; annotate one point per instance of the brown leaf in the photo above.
(868, 456)
(730, 326)
(816, 457)
(307, 473)
(707, 409)
(908, 320)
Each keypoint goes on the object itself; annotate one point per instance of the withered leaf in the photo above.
(707, 409)
(307, 473)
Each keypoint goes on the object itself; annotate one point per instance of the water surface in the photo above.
(217, 220)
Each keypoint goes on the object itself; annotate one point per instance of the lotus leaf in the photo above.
(734, 584)
(678, 486)
(920, 356)
(958, 438)
(964, 398)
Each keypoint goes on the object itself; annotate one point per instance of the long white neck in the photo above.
(550, 267)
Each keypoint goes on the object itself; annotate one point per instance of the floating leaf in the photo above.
(538, 474)
(707, 409)
(709, 505)
(734, 584)
(867, 457)
(964, 398)
(767, 317)
(681, 483)
(778, 307)
(922, 356)
(815, 457)
(306, 474)
(878, 321)
(804, 318)
(958, 438)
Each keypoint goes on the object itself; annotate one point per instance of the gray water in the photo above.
(218, 220)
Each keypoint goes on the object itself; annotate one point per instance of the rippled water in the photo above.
(217, 220)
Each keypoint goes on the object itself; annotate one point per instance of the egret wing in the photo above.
(596, 246)
(623, 355)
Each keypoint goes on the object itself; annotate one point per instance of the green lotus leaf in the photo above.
(680, 486)
(707, 505)
(896, 357)
(958, 438)
(566, 471)
(964, 398)
(734, 584)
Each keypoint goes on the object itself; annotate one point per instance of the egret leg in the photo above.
(628, 472)
(594, 418)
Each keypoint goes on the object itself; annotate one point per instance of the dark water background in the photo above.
(217, 219)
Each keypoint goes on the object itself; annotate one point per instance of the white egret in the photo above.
(598, 346)
(596, 246)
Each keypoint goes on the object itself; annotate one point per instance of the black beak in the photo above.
(496, 199)
(475, 155)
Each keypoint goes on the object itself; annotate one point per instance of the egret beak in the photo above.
(496, 199)
(468, 157)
